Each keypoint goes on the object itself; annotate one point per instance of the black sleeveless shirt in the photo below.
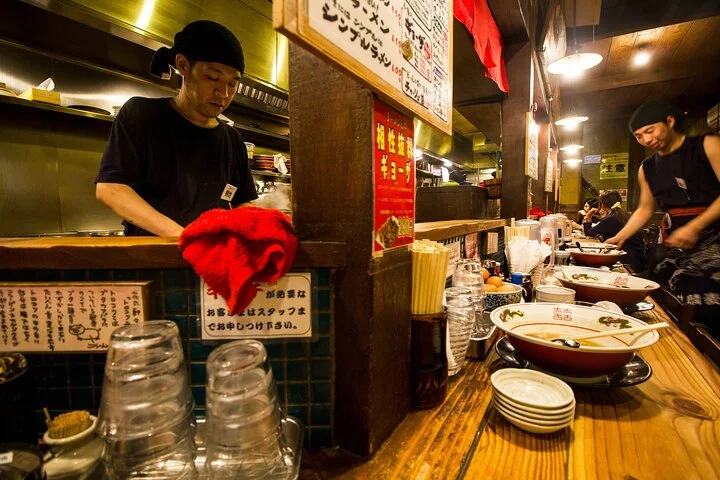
(687, 167)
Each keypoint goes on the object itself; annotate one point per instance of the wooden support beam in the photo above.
(667, 73)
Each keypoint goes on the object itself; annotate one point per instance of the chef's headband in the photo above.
(201, 41)
(654, 112)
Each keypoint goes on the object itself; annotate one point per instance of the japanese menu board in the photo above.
(531, 147)
(549, 174)
(394, 170)
(280, 310)
(67, 317)
(614, 165)
(400, 48)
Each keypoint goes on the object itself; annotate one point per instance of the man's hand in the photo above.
(616, 240)
(684, 237)
(589, 215)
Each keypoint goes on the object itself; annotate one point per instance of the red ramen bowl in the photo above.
(595, 285)
(530, 327)
(596, 258)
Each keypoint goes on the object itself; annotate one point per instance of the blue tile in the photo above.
(320, 369)
(125, 275)
(281, 393)
(320, 437)
(49, 276)
(74, 275)
(321, 392)
(324, 322)
(296, 349)
(193, 281)
(194, 302)
(278, 369)
(58, 399)
(320, 415)
(199, 396)
(195, 327)
(274, 349)
(175, 302)
(323, 277)
(174, 278)
(199, 412)
(323, 300)
(181, 321)
(297, 370)
(82, 399)
(198, 373)
(100, 275)
(57, 376)
(297, 393)
(199, 351)
(321, 348)
(80, 375)
(298, 411)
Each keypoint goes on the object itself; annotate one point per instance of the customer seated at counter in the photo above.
(168, 160)
(612, 219)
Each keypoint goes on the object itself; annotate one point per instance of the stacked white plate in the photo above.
(533, 401)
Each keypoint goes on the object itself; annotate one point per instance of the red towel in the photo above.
(232, 250)
(478, 19)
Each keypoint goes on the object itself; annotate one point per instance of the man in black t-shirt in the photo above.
(168, 160)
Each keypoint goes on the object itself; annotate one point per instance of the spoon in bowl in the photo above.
(571, 341)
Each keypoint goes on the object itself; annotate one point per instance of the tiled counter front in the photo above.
(303, 368)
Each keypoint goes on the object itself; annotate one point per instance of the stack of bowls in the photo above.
(533, 401)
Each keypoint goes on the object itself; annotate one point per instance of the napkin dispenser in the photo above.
(40, 95)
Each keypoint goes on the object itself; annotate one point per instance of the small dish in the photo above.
(73, 438)
(532, 388)
(636, 371)
(541, 422)
(555, 418)
(530, 427)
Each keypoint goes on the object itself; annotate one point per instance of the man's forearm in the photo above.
(707, 218)
(130, 206)
(640, 217)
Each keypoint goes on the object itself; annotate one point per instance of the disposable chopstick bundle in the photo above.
(430, 263)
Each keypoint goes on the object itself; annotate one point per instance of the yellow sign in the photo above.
(614, 165)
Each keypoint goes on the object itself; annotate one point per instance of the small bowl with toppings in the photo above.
(505, 294)
(532, 327)
(595, 285)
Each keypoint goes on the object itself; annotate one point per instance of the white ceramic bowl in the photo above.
(531, 326)
(532, 388)
(74, 438)
(531, 427)
(595, 285)
(554, 294)
(549, 416)
(494, 300)
(542, 422)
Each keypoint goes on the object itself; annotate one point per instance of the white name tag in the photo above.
(681, 183)
(228, 193)
(6, 457)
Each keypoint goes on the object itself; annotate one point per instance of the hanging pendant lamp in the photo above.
(576, 62)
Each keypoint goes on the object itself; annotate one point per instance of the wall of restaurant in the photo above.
(303, 368)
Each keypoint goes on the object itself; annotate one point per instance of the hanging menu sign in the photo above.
(532, 133)
(394, 202)
(549, 174)
(279, 310)
(402, 49)
(66, 316)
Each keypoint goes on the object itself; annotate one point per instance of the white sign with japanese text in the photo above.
(280, 310)
(67, 316)
(455, 255)
(405, 43)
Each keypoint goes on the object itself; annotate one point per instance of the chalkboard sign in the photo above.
(402, 49)
(67, 316)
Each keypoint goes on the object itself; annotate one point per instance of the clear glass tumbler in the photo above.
(243, 428)
(146, 405)
(460, 321)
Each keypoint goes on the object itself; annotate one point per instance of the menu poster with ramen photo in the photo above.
(394, 166)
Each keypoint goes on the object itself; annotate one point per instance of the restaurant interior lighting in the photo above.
(641, 58)
(417, 153)
(572, 148)
(574, 64)
(572, 162)
(572, 121)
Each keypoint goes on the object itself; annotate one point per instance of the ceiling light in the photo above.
(573, 162)
(571, 122)
(641, 58)
(417, 153)
(571, 148)
(574, 64)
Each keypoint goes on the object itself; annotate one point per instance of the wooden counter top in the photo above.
(79, 253)
(667, 427)
(454, 228)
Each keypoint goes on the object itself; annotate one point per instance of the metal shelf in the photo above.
(21, 102)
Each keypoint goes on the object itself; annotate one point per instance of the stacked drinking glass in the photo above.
(145, 413)
(244, 435)
(468, 274)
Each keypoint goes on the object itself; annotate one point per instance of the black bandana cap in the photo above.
(654, 112)
(201, 41)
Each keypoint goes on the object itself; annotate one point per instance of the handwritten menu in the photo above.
(455, 255)
(280, 310)
(405, 43)
(532, 137)
(67, 317)
(394, 178)
(549, 175)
